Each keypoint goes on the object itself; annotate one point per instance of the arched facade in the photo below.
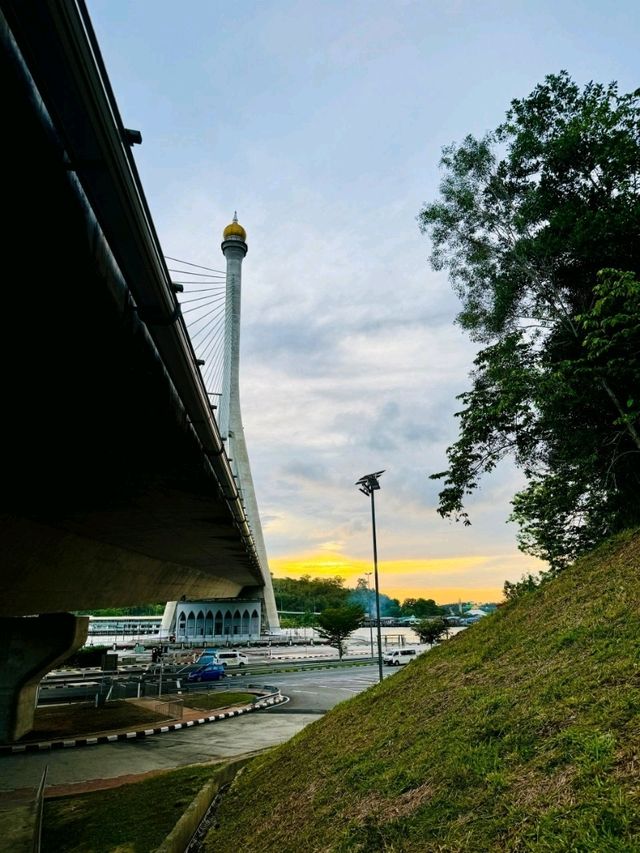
(204, 621)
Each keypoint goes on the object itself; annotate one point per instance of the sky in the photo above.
(322, 124)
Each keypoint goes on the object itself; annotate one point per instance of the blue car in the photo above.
(208, 672)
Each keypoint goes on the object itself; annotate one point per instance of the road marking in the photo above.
(334, 687)
(310, 692)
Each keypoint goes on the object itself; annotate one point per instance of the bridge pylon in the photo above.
(234, 248)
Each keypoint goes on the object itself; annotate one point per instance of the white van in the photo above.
(232, 658)
(398, 657)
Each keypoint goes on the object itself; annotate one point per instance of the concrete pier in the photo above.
(31, 646)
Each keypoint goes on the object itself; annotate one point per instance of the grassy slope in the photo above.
(522, 733)
(133, 818)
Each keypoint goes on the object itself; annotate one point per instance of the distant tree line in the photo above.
(307, 595)
(138, 610)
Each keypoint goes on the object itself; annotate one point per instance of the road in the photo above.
(312, 693)
(317, 692)
(82, 686)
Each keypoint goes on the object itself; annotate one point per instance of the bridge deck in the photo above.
(116, 487)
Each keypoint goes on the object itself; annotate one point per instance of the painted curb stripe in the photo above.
(124, 736)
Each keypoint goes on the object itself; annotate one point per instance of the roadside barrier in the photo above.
(39, 808)
(266, 700)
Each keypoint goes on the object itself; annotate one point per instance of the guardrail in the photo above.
(272, 691)
(39, 808)
(129, 686)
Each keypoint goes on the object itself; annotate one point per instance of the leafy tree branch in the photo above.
(538, 226)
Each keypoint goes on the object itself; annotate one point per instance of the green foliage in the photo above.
(518, 734)
(431, 630)
(421, 608)
(537, 225)
(364, 595)
(137, 610)
(514, 589)
(611, 340)
(393, 608)
(335, 624)
(309, 595)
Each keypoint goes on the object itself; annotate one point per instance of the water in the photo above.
(360, 640)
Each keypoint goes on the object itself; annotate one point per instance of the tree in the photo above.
(335, 624)
(393, 608)
(365, 597)
(421, 607)
(527, 583)
(136, 610)
(430, 630)
(537, 225)
(309, 594)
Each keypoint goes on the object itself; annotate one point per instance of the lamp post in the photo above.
(369, 611)
(368, 485)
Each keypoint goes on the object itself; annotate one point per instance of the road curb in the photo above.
(139, 734)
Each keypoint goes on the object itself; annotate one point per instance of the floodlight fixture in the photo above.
(370, 481)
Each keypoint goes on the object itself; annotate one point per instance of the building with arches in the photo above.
(232, 620)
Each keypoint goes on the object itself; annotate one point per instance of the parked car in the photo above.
(232, 658)
(208, 672)
(398, 657)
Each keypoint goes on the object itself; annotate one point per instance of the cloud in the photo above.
(307, 472)
(479, 577)
(322, 124)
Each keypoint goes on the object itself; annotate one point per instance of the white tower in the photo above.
(234, 248)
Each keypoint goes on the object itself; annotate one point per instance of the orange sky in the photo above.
(470, 578)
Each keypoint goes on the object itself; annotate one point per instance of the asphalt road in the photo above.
(318, 691)
(312, 693)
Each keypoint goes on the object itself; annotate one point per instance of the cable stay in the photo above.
(190, 264)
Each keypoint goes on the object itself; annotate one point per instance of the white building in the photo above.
(235, 620)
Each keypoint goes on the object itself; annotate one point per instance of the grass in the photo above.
(133, 818)
(63, 721)
(211, 701)
(520, 734)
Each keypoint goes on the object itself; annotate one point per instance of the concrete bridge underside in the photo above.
(116, 489)
(109, 497)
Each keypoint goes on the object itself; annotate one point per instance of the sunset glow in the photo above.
(471, 578)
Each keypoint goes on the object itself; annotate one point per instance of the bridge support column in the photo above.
(31, 646)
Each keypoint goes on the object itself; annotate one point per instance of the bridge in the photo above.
(118, 488)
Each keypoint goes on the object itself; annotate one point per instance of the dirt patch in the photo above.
(538, 789)
(391, 808)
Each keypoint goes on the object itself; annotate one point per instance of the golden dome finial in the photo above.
(234, 229)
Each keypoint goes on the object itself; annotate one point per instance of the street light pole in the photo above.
(369, 611)
(368, 485)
